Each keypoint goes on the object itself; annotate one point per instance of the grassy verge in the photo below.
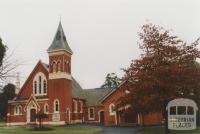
(2, 123)
(55, 130)
(160, 130)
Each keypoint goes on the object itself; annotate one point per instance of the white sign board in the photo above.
(56, 117)
(182, 114)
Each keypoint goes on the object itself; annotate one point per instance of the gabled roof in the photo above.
(93, 96)
(77, 91)
(32, 99)
(59, 41)
(29, 77)
(110, 93)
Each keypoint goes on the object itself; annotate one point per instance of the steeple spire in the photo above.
(17, 82)
(59, 41)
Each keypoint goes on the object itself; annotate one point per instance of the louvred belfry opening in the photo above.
(60, 56)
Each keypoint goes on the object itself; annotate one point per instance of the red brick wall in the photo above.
(96, 119)
(27, 88)
(66, 68)
(152, 119)
(112, 99)
(60, 89)
(78, 115)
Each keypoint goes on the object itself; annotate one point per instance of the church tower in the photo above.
(59, 84)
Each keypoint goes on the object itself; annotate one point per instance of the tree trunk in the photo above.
(165, 113)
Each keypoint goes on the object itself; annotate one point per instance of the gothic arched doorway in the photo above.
(32, 115)
(101, 117)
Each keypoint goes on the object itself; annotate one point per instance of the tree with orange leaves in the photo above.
(167, 69)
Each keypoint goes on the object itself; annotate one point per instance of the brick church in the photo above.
(51, 88)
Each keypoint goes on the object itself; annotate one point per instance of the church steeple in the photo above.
(59, 41)
(59, 56)
(17, 82)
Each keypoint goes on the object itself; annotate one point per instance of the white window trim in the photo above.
(89, 115)
(75, 105)
(111, 112)
(17, 109)
(59, 68)
(36, 78)
(54, 66)
(46, 111)
(54, 106)
(81, 106)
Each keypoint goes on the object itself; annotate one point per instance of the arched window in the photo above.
(66, 66)
(75, 106)
(40, 85)
(59, 66)
(45, 86)
(81, 106)
(56, 106)
(19, 109)
(16, 110)
(54, 67)
(35, 87)
(69, 67)
(46, 108)
(112, 109)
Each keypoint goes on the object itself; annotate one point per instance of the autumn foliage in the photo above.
(167, 69)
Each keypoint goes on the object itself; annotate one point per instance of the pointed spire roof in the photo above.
(59, 41)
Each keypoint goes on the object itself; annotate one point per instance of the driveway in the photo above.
(118, 130)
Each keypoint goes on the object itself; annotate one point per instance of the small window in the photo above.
(173, 110)
(59, 66)
(54, 67)
(40, 85)
(181, 110)
(46, 108)
(45, 86)
(75, 106)
(35, 87)
(91, 113)
(56, 106)
(18, 110)
(81, 106)
(190, 110)
(112, 109)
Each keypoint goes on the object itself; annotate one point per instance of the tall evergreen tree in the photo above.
(2, 51)
(8, 94)
(112, 80)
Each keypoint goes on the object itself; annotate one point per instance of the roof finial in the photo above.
(17, 82)
(60, 18)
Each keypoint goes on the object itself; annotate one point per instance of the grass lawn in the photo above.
(160, 130)
(2, 123)
(56, 130)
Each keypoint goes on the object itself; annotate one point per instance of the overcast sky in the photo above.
(101, 33)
